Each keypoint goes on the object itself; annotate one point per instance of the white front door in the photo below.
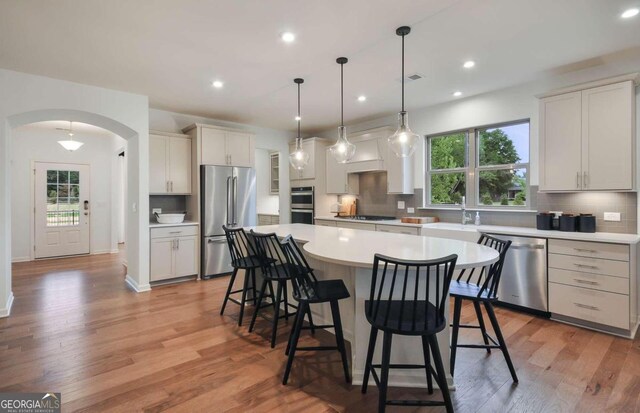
(62, 209)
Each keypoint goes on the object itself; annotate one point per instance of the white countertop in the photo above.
(383, 222)
(505, 230)
(532, 232)
(154, 224)
(354, 247)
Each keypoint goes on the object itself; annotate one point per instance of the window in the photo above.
(488, 165)
(63, 205)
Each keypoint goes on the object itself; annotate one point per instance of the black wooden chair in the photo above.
(480, 286)
(408, 298)
(274, 264)
(243, 257)
(308, 290)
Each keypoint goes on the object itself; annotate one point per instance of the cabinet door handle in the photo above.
(578, 280)
(593, 267)
(584, 180)
(578, 180)
(173, 244)
(175, 232)
(167, 186)
(588, 307)
(178, 244)
(586, 250)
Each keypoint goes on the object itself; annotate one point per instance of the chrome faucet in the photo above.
(466, 217)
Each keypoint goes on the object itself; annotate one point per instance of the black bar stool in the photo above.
(243, 257)
(481, 289)
(274, 269)
(403, 301)
(308, 290)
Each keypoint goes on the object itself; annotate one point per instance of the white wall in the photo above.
(514, 103)
(26, 99)
(270, 139)
(266, 203)
(32, 143)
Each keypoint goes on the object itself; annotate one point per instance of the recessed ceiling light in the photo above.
(288, 37)
(457, 93)
(217, 84)
(630, 13)
(469, 64)
(362, 98)
(298, 118)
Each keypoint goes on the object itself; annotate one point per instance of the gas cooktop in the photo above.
(366, 217)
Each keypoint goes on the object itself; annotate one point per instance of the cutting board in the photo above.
(418, 220)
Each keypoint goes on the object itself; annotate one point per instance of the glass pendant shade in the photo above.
(299, 158)
(71, 145)
(343, 150)
(404, 141)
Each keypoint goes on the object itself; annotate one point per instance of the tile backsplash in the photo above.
(168, 203)
(374, 200)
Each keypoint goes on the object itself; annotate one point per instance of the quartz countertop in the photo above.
(154, 224)
(507, 230)
(356, 248)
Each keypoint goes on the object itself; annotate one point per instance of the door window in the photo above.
(63, 198)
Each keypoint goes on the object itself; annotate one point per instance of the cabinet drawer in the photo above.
(356, 225)
(590, 265)
(172, 232)
(398, 229)
(592, 281)
(590, 305)
(325, 223)
(589, 249)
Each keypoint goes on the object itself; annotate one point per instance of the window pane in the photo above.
(52, 191)
(504, 145)
(63, 190)
(74, 177)
(74, 190)
(503, 187)
(63, 177)
(52, 176)
(447, 188)
(448, 151)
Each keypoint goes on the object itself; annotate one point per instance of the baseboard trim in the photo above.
(100, 252)
(6, 311)
(133, 284)
(114, 251)
(21, 259)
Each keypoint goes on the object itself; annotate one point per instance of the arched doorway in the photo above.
(137, 193)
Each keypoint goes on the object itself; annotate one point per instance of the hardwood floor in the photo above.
(75, 328)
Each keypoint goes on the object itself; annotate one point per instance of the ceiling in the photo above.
(172, 50)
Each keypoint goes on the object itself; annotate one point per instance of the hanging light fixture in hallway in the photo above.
(70, 144)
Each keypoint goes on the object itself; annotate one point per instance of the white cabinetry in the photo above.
(169, 163)
(225, 147)
(174, 252)
(587, 139)
(593, 284)
(268, 219)
(338, 180)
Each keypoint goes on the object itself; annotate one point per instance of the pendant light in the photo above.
(299, 158)
(70, 144)
(342, 150)
(404, 141)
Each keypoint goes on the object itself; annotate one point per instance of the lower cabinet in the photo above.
(591, 282)
(325, 223)
(174, 252)
(398, 229)
(356, 225)
(268, 219)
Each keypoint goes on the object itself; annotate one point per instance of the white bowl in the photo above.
(170, 218)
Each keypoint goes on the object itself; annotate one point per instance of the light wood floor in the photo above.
(75, 328)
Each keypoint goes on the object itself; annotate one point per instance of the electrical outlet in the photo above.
(156, 210)
(411, 210)
(400, 204)
(612, 216)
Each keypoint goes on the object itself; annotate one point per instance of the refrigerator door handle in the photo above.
(228, 200)
(235, 199)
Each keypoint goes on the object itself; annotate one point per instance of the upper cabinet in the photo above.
(169, 163)
(315, 148)
(339, 182)
(220, 146)
(587, 139)
(274, 173)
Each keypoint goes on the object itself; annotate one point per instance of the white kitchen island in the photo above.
(348, 254)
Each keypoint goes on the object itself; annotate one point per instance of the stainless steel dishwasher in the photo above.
(524, 275)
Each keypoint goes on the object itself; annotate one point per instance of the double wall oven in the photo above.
(302, 205)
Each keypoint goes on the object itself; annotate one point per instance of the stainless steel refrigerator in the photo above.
(228, 196)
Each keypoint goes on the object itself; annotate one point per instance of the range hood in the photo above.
(368, 157)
